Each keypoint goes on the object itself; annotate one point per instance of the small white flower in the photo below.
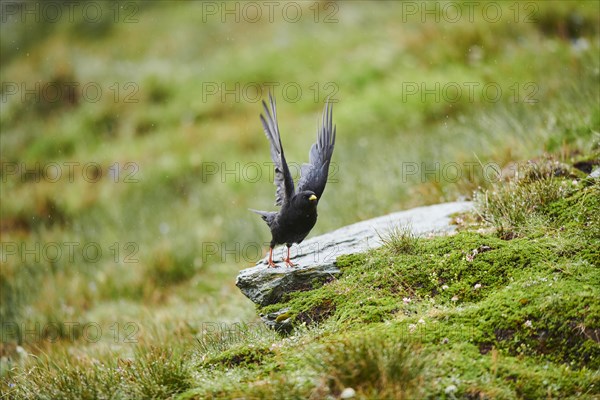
(450, 389)
(445, 287)
(528, 324)
(406, 300)
(454, 298)
(421, 321)
(477, 286)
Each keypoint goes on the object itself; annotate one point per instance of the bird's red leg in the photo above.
(288, 262)
(270, 262)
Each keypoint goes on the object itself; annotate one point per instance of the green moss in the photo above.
(239, 356)
(551, 316)
(579, 212)
(348, 260)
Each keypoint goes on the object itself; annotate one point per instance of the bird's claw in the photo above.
(272, 264)
(289, 263)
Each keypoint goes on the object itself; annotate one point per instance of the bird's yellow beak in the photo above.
(312, 197)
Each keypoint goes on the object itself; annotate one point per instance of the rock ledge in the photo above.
(315, 257)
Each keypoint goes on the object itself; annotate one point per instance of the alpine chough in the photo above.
(298, 213)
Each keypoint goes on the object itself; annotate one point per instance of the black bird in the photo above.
(298, 213)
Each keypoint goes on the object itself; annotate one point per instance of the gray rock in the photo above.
(315, 258)
(595, 174)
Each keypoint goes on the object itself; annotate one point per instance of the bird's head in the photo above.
(306, 199)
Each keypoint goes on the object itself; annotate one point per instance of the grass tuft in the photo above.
(375, 366)
(507, 206)
(400, 239)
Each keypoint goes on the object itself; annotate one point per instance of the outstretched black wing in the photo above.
(314, 174)
(283, 178)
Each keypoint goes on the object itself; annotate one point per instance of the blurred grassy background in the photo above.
(156, 132)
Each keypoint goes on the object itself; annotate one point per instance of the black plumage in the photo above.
(298, 213)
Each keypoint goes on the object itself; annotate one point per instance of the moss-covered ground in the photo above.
(490, 318)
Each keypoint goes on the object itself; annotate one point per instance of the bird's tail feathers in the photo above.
(266, 215)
